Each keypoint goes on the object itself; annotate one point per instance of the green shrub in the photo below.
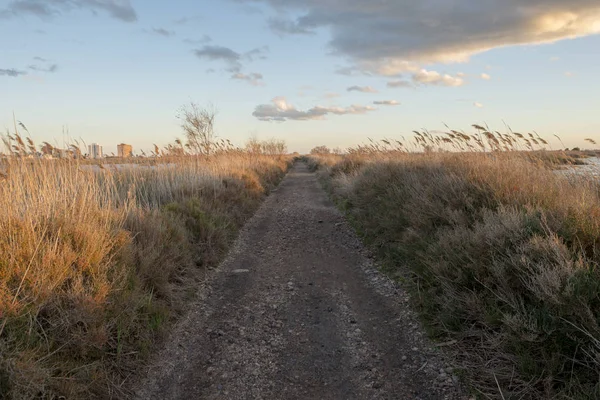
(501, 255)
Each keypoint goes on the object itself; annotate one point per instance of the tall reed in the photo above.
(95, 259)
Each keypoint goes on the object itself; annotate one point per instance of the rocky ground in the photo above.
(299, 311)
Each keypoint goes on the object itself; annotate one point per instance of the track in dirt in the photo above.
(298, 311)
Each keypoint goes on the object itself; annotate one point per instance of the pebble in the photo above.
(240, 271)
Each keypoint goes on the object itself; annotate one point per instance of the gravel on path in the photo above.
(298, 310)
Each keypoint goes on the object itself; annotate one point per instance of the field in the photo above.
(97, 262)
(499, 251)
(494, 238)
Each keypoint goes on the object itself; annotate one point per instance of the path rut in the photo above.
(299, 311)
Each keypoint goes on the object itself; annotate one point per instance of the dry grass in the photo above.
(501, 254)
(94, 264)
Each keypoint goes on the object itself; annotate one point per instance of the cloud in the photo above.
(485, 77)
(362, 89)
(118, 9)
(13, 73)
(255, 79)
(386, 103)
(217, 53)
(163, 32)
(553, 59)
(569, 74)
(52, 68)
(283, 27)
(425, 77)
(352, 71)
(281, 110)
(331, 95)
(230, 57)
(399, 84)
(220, 53)
(259, 53)
(478, 105)
(48, 67)
(390, 37)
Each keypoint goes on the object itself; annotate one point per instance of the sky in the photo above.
(310, 72)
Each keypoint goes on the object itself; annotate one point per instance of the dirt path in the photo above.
(298, 311)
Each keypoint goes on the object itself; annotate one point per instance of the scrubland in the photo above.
(97, 263)
(500, 252)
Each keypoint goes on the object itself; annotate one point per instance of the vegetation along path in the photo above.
(298, 311)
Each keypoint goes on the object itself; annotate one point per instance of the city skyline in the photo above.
(94, 150)
(307, 72)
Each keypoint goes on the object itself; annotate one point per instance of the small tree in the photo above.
(320, 150)
(274, 147)
(253, 146)
(198, 125)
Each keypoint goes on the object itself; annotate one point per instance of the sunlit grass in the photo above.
(95, 261)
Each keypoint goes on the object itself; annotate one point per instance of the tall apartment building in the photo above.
(95, 150)
(124, 150)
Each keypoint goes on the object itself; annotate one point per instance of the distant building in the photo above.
(95, 150)
(124, 150)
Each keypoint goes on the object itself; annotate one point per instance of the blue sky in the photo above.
(117, 71)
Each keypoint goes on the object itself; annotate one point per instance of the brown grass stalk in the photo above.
(97, 259)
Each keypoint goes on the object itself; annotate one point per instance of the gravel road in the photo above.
(299, 311)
